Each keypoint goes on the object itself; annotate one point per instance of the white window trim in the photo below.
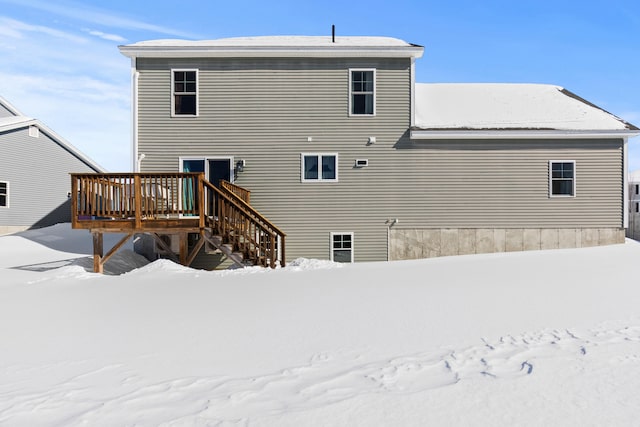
(173, 100)
(8, 191)
(375, 92)
(551, 195)
(319, 155)
(353, 243)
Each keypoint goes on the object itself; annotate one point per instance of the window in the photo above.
(342, 247)
(319, 167)
(362, 97)
(637, 207)
(562, 178)
(184, 88)
(4, 194)
(637, 188)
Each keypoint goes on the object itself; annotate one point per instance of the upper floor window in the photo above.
(362, 92)
(319, 167)
(184, 88)
(562, 178)
(4, 194)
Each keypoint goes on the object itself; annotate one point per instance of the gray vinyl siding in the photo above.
(37, 170)
(264, 110)
(505, 184)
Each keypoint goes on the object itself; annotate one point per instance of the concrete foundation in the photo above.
(429, 243)
(10, 229)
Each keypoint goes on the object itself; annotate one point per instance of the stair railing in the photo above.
(243, 227)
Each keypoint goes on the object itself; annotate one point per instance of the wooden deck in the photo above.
(175, 204)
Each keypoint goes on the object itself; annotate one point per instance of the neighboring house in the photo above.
(633, 231)
(356, 162)
(35, 163)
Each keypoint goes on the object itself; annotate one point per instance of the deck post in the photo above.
(201, 196)
(74, 202)
(184, 248)
(137, 200)
(97, 252)
(272, 250)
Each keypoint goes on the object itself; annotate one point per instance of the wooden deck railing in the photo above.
(185, 202)
(121, 196)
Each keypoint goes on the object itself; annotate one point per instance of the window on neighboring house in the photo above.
(4, 194)
(637, 187)
(362, 96)
(319, 167)
(637, 207)
(342, 247)
(184, 85)
(562, 178)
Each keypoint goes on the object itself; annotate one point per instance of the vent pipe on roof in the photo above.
(333, 34)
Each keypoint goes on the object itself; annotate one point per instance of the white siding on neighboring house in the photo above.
(37, 169)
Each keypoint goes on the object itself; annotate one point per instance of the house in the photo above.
(633, 231)
(355, 161)
(35, 163)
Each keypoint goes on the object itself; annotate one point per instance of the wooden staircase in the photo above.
(175, 204)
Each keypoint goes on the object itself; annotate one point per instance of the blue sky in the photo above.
(60, 63)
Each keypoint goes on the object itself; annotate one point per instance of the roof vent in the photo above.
(333, 34)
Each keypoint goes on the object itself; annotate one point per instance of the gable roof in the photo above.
(20, 121)
(477, 108)
(276, 46)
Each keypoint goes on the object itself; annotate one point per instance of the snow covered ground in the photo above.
(547, 338)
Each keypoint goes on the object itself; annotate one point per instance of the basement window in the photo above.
(342, 247)
(184, 92)
(562, 178)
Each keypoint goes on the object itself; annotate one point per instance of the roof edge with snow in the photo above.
(275, 46)
(509, 133)
(13, 110)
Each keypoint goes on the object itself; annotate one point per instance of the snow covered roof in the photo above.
(455, 107)
(283, 46)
